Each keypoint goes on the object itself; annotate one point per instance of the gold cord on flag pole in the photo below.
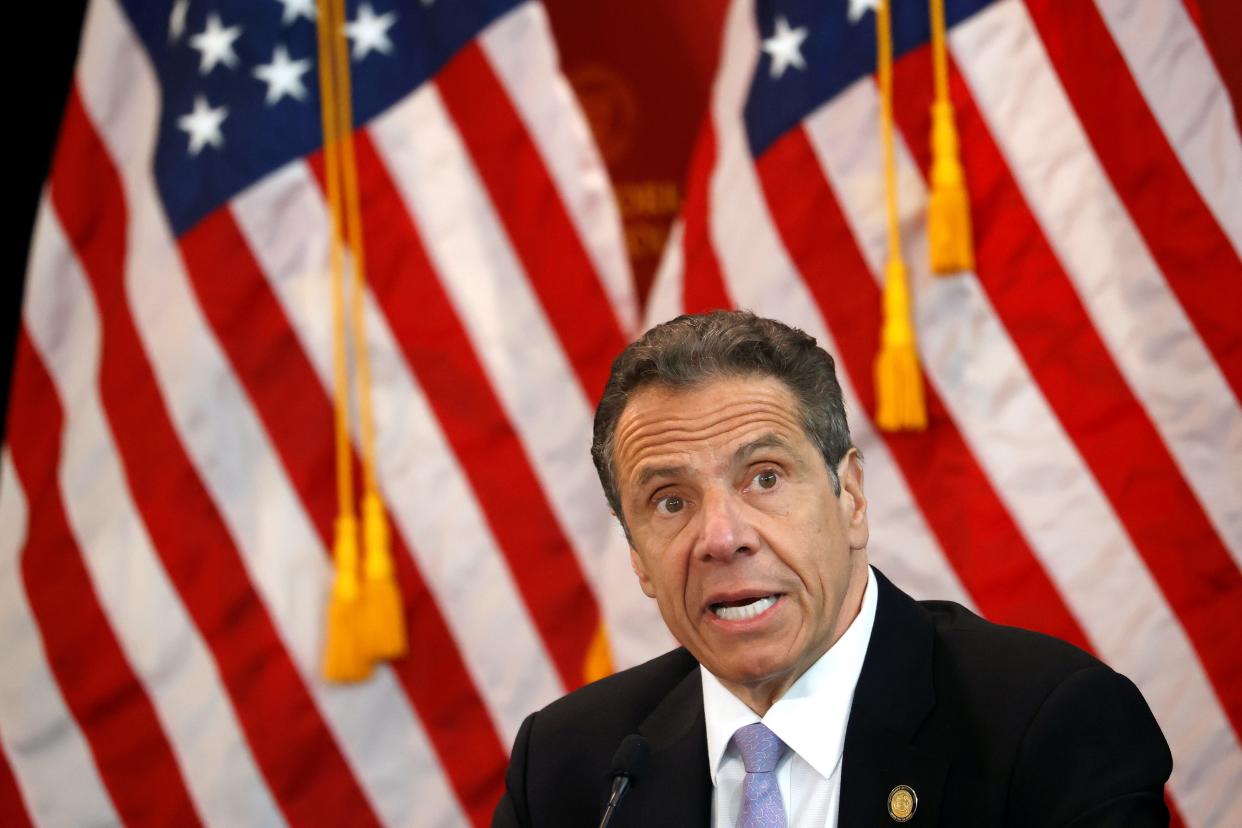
(948, 206)
(383, 619)
(344, 657)
(598, 661)
(898, 381)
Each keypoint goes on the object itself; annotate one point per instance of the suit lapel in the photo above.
(893, 697)
(676, 787)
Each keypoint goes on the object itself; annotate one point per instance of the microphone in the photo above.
(628, 763)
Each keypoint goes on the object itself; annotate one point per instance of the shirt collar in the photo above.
(812, 715)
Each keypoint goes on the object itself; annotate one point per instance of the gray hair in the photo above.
(694, 348)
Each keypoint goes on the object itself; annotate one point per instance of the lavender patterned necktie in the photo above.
(761, 795)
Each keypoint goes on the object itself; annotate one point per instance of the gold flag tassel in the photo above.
(345, 658)
(382, 627)
(598, 661)
(948, 206)
(898, 381)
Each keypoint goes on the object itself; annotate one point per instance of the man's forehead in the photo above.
(731, 413)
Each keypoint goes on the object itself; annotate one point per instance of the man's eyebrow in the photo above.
(652, 472)
(767, 441)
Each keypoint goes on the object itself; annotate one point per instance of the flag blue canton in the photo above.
(837, 44)
(256, 136)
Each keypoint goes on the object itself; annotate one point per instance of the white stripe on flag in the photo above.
(158, 638)
(488, 288)
(50, 758)
(667, 286)
(1031, 463)
(225, 441)
(523, 54)
(1178, 77)
(1141, 322)
(285, 221)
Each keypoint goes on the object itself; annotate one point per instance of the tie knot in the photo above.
(761, 749)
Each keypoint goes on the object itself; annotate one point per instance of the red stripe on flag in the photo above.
(538, 226)
(297, 754)
(439, 351)
(106, 699)
(1054, 332)
(297, 413)
(974, 529)
(1190, 248)
(703, 285)
(1175, 816)
(12, 806)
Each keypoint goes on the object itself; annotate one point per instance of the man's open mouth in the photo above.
(744, 609)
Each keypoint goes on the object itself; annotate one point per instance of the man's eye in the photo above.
(670, 505)
(765, 479)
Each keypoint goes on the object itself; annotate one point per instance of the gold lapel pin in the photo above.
(902, 803)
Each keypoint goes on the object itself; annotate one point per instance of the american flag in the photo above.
(1082, 469)
(168, 494)
(167, 491)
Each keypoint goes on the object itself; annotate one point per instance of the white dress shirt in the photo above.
(810, 718)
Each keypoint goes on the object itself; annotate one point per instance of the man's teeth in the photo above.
(745, 611)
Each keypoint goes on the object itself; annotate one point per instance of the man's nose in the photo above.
(725, 530)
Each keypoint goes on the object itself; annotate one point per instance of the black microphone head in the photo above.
(631, 758)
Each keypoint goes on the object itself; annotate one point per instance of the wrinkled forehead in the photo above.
(715, 417)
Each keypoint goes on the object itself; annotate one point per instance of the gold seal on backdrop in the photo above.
(611, 108)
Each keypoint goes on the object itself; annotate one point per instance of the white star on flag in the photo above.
(860, 7)
(369, 32)
(216, 44)
(283, 76)
(785, 47)
(203, 125)
(295, 9)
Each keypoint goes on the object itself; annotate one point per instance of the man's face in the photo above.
(757, 566)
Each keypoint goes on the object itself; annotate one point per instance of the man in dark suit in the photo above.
(809, 690)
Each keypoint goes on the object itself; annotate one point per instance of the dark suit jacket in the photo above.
(989, 725)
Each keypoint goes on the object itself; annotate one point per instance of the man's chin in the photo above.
(754, 674)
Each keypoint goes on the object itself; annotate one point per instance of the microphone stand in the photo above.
(620, 784)
(627, 765)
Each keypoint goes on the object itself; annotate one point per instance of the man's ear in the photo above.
(643, 580)
(853, 502)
